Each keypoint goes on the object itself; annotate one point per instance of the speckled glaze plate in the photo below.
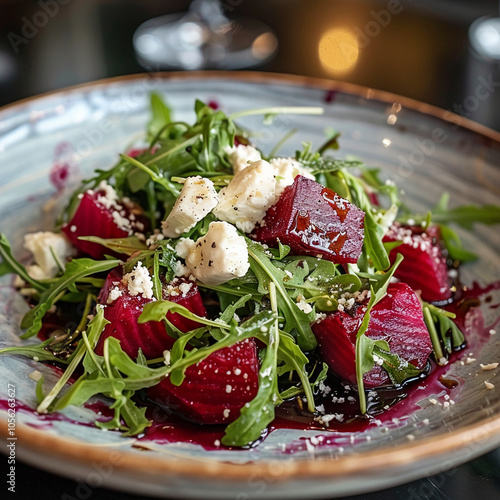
(47, 144)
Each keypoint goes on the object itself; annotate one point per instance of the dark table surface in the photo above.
(422, 52)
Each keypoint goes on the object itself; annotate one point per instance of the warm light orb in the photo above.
(338, 50)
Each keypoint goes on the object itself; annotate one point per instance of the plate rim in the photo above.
(386, 457)
(327, 84)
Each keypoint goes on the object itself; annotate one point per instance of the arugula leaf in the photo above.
(259, 413)
(250, 328)
(95, 327)
(127, 246)
(10, 265)
(161, 115)
(454, 246)
(364, 345)
(373, 246)
(397, 368)
(158, 310)
(37, 352)
(323, 165)
(449, 335)
(296, 320)
(465, 215)
(156, 176)
(75, 270)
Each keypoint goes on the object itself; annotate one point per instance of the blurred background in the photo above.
(423, 49)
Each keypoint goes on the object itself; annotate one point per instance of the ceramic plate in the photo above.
(49, 143)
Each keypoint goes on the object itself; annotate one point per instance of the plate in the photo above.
(50, 142)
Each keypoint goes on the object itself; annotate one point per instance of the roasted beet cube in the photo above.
(397, 318)
(123, 311)
(184, 293)
(424, 266)
(99, 214)
(313, 220)
(214, 389)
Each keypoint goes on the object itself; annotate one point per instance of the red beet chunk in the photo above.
(190, 299)
(216, 388)
(93, 218)
(124, 311)
(397, 318)
(313, 220)
(424, 266)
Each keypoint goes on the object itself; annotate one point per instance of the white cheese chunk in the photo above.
(241, 156)
(198, 197)
(44, 245)
(219, 256)
(245, 200)
(183, 246)
(285, 171)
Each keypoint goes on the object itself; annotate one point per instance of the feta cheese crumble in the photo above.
(285, 171)
(184, 245)
(219, 256)
(245, 200)
(139, 282)
(241, 156)
(197, 199)
(44, 245)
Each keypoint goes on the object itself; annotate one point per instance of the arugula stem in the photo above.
(175, 149)
(77, 358)
(436, 344)
(86, 311)
(277, 110)
(359, 376)
(282, 141)
(91, 353)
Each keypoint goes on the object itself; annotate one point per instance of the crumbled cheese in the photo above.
(219, 256)
(121, 221)
(241, 156)
(228, 388)
(139, 282)
(285, 171)
(154, 238)
(489, 366)
(114, 293)
(43, 245)
(197, 199)
(226, 412)
(304, 306)
(245, 200)
(470, 360)
(109, 198)
(184, 245)
(492, 332)
(489, 385)
(184, 288)
(180, 270)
